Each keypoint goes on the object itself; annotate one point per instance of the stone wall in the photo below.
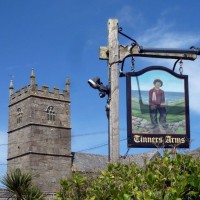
(143, 126)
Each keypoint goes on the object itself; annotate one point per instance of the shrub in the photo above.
(167, 178)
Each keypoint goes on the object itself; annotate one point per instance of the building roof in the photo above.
(4, 194)
(195, 153)
(140, 159)
(83, 162)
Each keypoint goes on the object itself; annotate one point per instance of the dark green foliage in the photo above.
(174, 177)
(74, 188)
(20, 185)
(33, 193)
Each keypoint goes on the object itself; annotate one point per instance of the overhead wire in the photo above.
(94, 147)
(101, 145)
(78, 135)
(86, 149)
(72, 136)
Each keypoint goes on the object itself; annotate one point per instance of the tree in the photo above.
(21, 186)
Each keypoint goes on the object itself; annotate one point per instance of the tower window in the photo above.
(19, 115)
(50, 113)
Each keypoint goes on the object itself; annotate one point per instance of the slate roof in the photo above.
(4, 194)
(195, 153)
(140, 159)
(83, 162)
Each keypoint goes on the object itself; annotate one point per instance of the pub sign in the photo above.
(157, 108)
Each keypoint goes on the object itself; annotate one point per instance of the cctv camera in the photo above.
(97, 84)
(104, 90)
(94, 82)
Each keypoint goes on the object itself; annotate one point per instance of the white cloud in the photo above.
(125, 15)
(3, 146)
(193, 71)
(4, 137)
(161, 36)
(129, 16)
(169, 11)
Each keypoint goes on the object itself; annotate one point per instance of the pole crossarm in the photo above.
(139, 51)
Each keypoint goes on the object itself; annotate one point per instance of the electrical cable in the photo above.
(72, 136)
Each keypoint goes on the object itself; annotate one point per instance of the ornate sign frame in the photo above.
(157, 108)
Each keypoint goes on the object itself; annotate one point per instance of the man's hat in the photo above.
(158, 80)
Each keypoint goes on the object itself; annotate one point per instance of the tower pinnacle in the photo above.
(32, 77)
(67, 85)
(11, 88)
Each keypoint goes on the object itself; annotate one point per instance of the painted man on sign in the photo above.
(157, 106)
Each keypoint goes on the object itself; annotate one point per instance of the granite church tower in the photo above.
(39, 133)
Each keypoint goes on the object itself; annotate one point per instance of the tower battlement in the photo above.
(44, 92)
(33, 90)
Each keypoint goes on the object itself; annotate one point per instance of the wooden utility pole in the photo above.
(113, 99)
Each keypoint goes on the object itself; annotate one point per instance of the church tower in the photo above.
(39, 133)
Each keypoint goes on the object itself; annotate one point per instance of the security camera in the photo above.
(102, 94)
(104, 90)
(95, 82)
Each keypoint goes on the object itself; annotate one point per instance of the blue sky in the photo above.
(170, 82)
(61, 39)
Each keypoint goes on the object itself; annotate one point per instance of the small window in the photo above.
(50, 113)
(19, 116)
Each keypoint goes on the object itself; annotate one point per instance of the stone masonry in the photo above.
(39, 133)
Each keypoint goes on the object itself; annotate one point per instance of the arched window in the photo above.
(50, 114)
(19, 115)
